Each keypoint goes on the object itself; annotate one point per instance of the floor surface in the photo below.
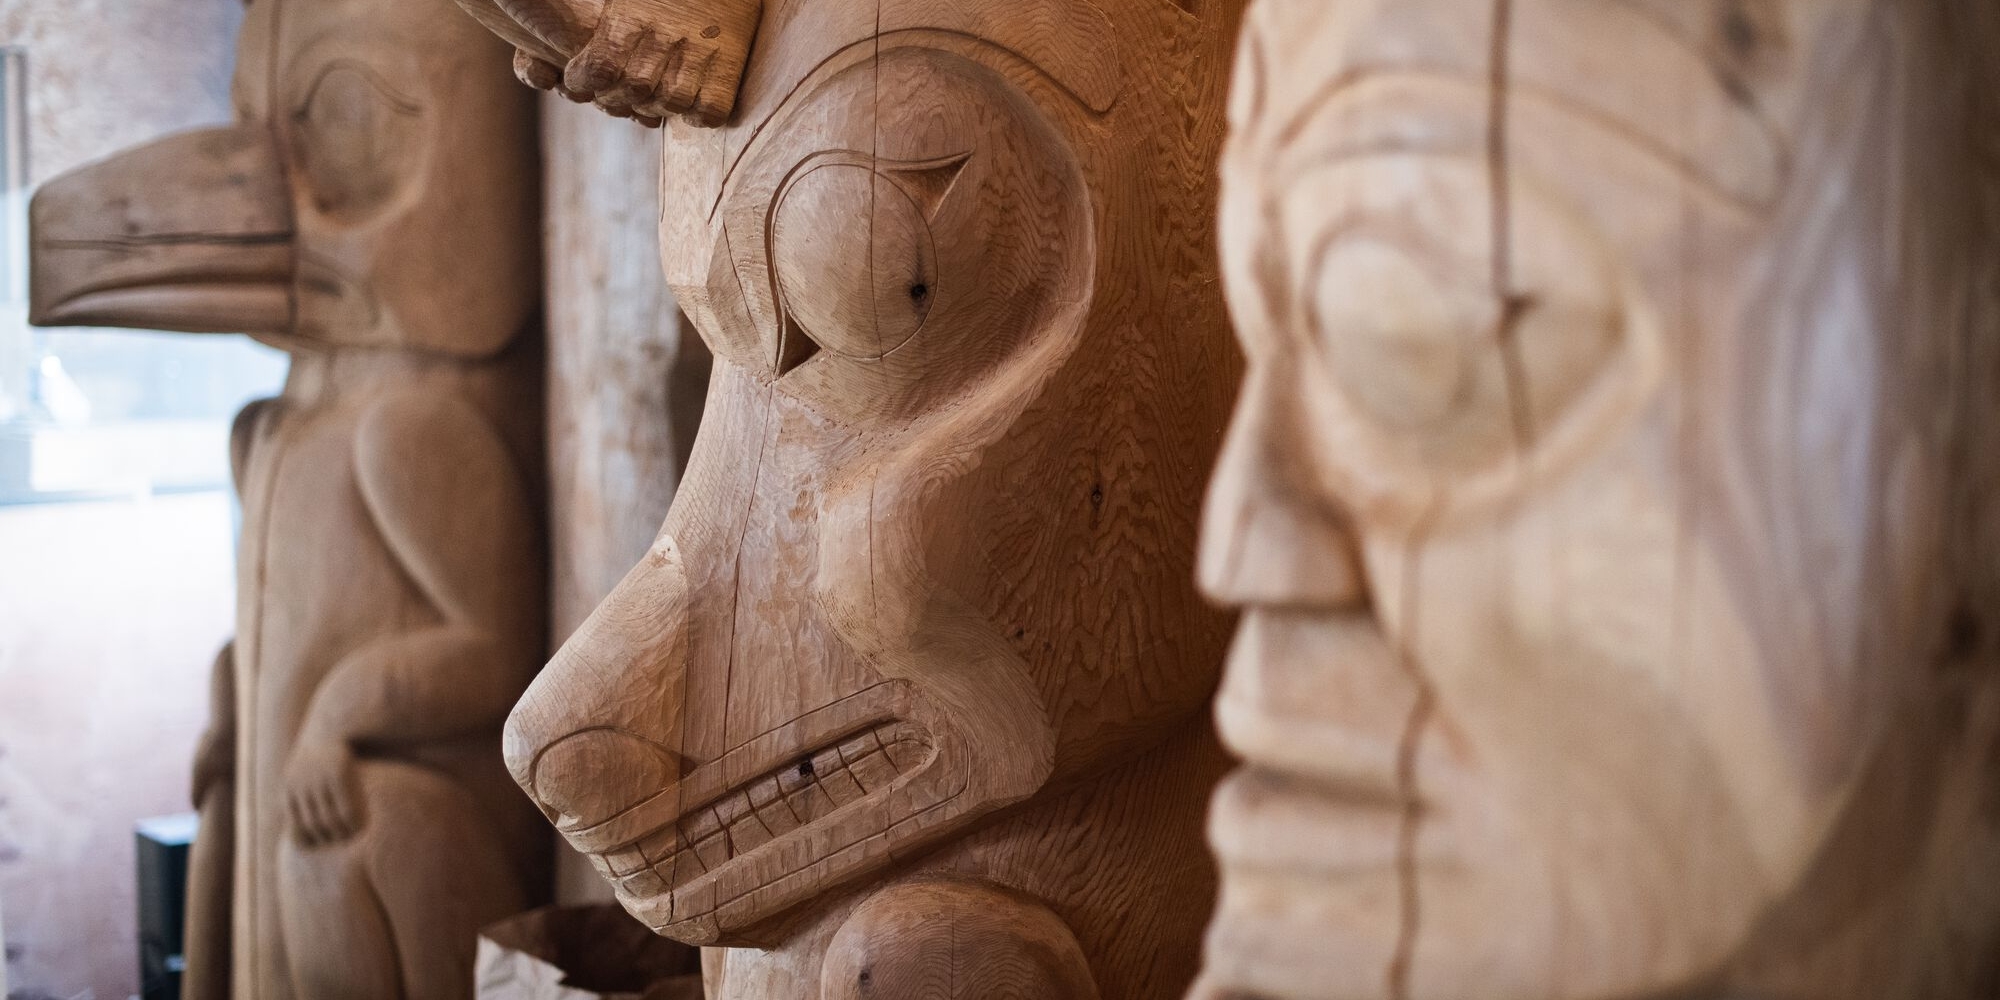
(110, 616)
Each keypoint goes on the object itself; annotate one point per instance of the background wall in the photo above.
(110, 612)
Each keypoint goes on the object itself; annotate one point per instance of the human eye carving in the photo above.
(1455, 360)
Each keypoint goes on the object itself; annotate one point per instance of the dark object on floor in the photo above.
(163, 860)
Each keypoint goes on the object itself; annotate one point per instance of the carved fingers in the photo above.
(320, 797)
(651, 59)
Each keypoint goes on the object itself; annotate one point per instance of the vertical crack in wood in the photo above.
(1513, 308)
(1514, 305)
(1409, 791)
(875, 179)
(765, 434)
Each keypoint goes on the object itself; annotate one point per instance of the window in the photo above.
(87, 414)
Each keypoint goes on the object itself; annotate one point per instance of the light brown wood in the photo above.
(626, 376)
(374, 214)
(1611, 502)
(640, 59)
(920, 940)
(924, 605)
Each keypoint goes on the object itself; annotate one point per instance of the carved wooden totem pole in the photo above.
(906, 700)
(1611, 502)
(373, 213)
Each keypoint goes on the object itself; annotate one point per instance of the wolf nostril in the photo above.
(591, 776)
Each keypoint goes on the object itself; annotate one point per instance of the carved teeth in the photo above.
(625, 862)
(645, 882)
(712, 852)
(770, 807)
(700, 824)
(805, 790)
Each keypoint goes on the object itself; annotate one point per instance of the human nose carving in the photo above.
(1269, 537)
(601, 728)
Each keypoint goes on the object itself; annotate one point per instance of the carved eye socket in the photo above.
(1439, 374)
(855, 258)
(355, 139)
(1401, 342)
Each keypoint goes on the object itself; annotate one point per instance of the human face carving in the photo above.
(1553, 500)
(912, 577)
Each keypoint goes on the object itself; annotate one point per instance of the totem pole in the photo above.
(373, 214)
(907, 699)
(1611, 502)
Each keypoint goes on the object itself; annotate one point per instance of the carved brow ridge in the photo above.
(1078, 83)
(1750, 196)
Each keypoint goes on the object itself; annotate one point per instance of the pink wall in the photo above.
(109, 613)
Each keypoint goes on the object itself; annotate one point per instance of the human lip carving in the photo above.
(747, 816)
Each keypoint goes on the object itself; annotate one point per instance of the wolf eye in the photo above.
(855, 257)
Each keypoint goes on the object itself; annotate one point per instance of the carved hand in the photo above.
(648, 59)
(319, 791)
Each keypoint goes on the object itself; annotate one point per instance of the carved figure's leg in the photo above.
(954, 940)
(336, 929)
(210, 883)
(414, 887)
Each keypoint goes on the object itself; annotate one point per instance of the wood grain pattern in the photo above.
(641, 59)
(374, 214)
(922, 605)
(1610, 502)
(626, 376)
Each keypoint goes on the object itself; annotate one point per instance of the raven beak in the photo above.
(190, 233)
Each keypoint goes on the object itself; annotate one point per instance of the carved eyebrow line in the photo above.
(874, 39)
(399, 102)
(1626, 130)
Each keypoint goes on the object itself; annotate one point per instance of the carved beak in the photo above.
(190, 233)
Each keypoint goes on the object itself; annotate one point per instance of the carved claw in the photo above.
(640, 59)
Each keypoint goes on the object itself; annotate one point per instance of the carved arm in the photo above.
(451, 504)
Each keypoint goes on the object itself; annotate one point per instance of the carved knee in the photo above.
(954, 940)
